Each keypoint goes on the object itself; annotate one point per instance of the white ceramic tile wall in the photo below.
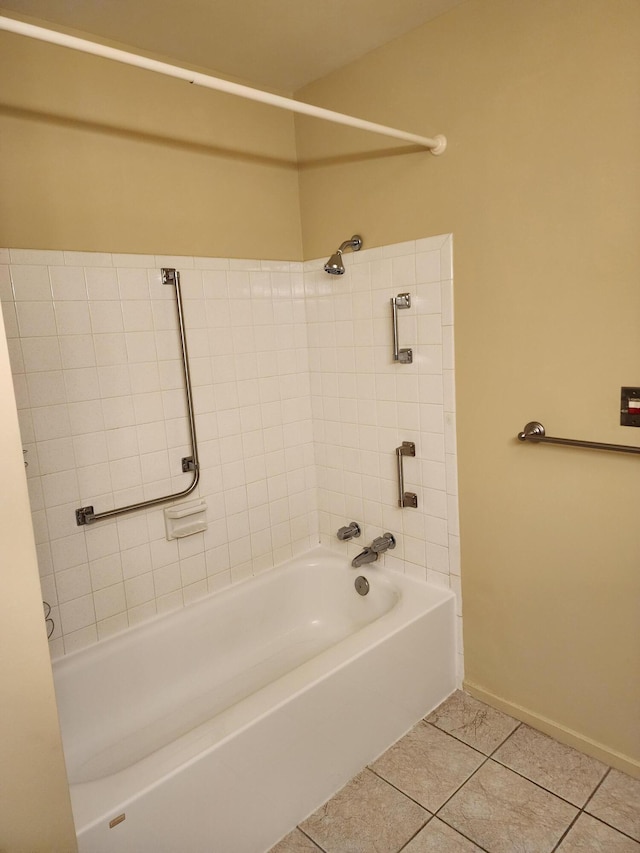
(96, 360)
(293, 384)
(365, 405)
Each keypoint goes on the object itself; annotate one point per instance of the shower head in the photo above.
(334, 265)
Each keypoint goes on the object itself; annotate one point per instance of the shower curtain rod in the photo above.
(436, 145)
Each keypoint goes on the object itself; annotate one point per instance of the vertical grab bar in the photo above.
(86, 514)
(402, 300)
(407, 448)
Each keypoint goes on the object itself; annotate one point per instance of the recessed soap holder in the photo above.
(185, 519)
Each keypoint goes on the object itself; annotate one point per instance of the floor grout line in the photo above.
(400, 791)
(598, 786)
(522, 775)
(611, 826)
(409, 840)
(475, 748)
(567, 831)
(462, 834)
(486, 757)
(306, 835)
(537, 784)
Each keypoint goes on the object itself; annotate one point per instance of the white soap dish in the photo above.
(185, 519)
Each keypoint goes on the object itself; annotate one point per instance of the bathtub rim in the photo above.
(319, 552)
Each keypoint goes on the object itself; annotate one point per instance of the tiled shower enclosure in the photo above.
(299, 408)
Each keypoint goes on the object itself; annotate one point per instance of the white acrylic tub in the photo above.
(217, 728)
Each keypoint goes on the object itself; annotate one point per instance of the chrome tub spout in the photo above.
(366, 556)
(379, 545)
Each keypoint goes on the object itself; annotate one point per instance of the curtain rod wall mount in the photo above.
(436, 145)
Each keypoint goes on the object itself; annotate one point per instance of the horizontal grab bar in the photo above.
(534, 431)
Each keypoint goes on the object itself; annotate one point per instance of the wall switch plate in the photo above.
(630, 406)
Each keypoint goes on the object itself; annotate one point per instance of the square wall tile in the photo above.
(289, 372)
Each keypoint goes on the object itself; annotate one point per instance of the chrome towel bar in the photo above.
(534, 431)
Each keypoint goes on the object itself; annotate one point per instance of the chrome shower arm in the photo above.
(354, 243)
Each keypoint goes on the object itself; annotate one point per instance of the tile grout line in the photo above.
(490, 757)
(409, 840)
(581, 809)
(487, 757)
(462, 835)
(541, 787)
(611, 826)
(436, 813)
(400, 791)
(311, 840)
(567, 831)
(526, 778)
(598, 786)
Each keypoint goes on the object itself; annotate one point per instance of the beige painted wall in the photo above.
(541, 189)
(98, 156)
(547, 299)
(35, 811)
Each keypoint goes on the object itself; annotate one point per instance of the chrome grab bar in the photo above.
(407, 448)
(85, 514)
(534, 431)
(402, 300)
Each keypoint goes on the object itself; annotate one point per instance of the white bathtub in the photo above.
(218, 728)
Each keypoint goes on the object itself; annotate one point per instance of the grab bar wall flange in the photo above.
(402, 300)
(86, 514)
(535, 432)
(410, 499)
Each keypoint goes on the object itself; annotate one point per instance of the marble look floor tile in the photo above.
(428, 765)
(367, 815)
(558, 768)
(473, 722)
(437, 837)
(295, 842)
(617, 802)
(588, 835)
(504, 813)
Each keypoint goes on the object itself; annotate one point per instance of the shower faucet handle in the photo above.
(350, 532)
(383, 543)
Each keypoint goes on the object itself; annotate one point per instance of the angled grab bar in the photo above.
(534, 431)
(402, 300)
(85, 514)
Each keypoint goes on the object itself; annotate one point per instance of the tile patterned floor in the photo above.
(470, 779)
